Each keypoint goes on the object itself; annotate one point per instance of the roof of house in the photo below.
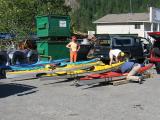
(123, 18)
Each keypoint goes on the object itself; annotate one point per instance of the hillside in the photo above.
(91, 10)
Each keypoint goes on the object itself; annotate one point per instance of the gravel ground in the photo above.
(58, 100)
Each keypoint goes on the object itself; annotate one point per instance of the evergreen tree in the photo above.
(18, 16)
(91, 10)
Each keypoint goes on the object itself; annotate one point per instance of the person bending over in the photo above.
(115, 54)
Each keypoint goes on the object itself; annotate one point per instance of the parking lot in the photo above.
(59, 100)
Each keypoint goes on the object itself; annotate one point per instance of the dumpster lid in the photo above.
(56, 16)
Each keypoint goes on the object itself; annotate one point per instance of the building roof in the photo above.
(123, 18)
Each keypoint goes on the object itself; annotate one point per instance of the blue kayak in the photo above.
(38, 65)
(80, 62)
(41, 64)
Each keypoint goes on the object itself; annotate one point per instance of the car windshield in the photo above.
(122, 42)
(103, 40)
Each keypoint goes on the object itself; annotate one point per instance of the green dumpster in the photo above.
(53, 26)
(55, 49)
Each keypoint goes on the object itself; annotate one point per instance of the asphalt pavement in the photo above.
(59, 100)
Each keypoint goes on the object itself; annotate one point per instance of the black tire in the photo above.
(33, 58)
(3, 58)
(18, 56)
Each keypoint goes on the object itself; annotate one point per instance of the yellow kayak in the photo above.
(68, 70)
(100, 67)
(58, 69)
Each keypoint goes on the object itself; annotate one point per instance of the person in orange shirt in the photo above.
(74, 48)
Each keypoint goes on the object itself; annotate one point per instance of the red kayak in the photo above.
(107, 76)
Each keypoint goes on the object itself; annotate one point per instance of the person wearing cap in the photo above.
(74, 48)
(115, 54)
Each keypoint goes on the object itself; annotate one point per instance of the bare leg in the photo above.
(71, 57)
(131, 74)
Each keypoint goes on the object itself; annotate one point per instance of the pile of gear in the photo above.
(25, 53)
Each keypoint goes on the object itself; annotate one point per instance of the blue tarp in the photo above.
(6, 36)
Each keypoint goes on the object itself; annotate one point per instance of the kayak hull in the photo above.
(108, 76)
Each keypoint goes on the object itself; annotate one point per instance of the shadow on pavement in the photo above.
(62, 81)
(97, 85)
(13, 88)
(25, 79)
(27, 93)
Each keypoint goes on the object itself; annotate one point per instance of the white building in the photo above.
(130, 23)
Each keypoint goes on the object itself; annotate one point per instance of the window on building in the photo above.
(155, 27)
(137, 26)
(147, 27)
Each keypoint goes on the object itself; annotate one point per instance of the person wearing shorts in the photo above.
(132, 69)
(74, 48)
(115, 54)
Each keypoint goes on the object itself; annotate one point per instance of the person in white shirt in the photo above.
(115, 54)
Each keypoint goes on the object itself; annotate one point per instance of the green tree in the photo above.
(18, 16)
